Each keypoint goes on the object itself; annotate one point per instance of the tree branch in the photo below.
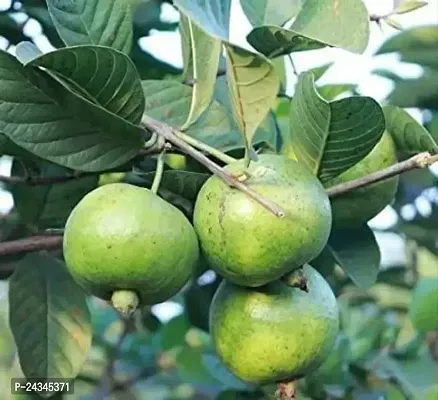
(166, 131)
(33, 243)
(421, 160)
(53, 240)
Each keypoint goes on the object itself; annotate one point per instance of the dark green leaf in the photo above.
(49, 318)
(108, 77)
(169, 101)
(409, 136)
(173, 333)
(330, 138)
(267, 12)
(48, 206)
(253, 86)
(424, 306)
(184, 183)
(107, 23)
(52, 122)
(8, 147)
(357, 253)
(319, 23)
(205, 51)
(191, 370)
(213, 16)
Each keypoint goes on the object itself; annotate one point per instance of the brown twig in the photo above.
(33, 243)
(421, 160)
(166, 131)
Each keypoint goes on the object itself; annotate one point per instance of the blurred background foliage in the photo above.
(388, 346)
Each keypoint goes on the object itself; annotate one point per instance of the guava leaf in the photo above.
(191, 370)
(183, 183)
(212, 16)
(409, 5)
(107, 23)
(266, 12)
(333, 90)
(184, 30)
(48, 206)
(419, 38)
(49, 120)
(205, 52)
(318, 72)
(424, 306)
(49, 318)
(105, 76)
(8, 147)
(329, 138)
(319, 23)
(357, 253)
(409, 136)
(253, 86)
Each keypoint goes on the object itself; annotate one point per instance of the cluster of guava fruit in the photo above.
(274, 318)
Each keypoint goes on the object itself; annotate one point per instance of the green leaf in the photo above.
(329, 138)
(108, 77)
(318, 72)
(48, 206)
(334, 90)
(172, 334)
(184, 30)
(205, 53)
(357, 253)
(253, 87)
(212, 16)
(417, 38)
(424, 307)
(409, 136)
(409, 5)
(420, 93)
(191, 370)
(393, 23)
(49, 318)
(106, 23)
(50, 121)
(183, 183)
(274, 41)
(169, 101)
(320, 23)
(267, 12)
(8, 147)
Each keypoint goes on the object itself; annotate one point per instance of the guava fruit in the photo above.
(274, 333)
(125, 244)
(360, 205)
(246, 243)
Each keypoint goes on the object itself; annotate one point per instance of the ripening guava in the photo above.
(246, 243)
(124, 243)
(274, 333)
(360, 205)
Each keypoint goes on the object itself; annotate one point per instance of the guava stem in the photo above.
(158, 173)
(286, 391)
(225, 158)
(296, 279)
(125, 302)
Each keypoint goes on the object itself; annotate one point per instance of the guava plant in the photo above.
(129, 191)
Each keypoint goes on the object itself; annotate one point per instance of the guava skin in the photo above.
(276, 332)
(246, 243)
(121, 236)
(360, 205)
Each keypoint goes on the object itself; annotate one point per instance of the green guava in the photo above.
(274, 333)
(124, 243)
(360, 205)
(246, 243)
